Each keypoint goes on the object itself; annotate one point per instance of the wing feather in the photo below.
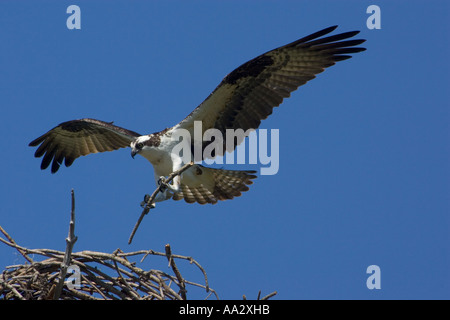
(249, 93)
(72, 139)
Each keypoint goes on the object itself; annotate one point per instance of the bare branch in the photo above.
(270, 295)
(181, 282)
(11, 240)
(70, 242)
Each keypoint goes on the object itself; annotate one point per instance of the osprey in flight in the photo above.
(243, 98)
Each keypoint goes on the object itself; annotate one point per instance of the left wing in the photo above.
(249, 93)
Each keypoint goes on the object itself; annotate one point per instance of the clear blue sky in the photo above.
(364, 148)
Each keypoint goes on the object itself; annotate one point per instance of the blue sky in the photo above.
(364, 148)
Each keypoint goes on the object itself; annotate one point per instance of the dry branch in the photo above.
(70, 242)
(181, 282)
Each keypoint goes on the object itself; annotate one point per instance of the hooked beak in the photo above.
(133, 153)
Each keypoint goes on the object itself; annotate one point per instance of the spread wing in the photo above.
(72, 139)
(249, 93)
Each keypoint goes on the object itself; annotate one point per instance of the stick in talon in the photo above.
(158, 195)
(162, 184)
(145, 202)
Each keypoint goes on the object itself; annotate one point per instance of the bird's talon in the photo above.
(146, 199)
(162, 184)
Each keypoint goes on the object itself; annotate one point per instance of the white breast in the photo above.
(162, 157)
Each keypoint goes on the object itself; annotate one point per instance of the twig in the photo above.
(13, 290)
(151, 199)
(267, 297)
(70, 242)
(270, 295)
(176, 272)
(190, 259)
(11, 240)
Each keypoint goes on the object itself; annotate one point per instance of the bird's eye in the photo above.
(139, 145)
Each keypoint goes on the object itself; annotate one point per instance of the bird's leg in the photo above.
(177, 164)
(175, 185)
(166, 190)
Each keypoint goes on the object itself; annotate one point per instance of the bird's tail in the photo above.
(208, 185)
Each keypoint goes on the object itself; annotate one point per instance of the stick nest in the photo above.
(101, 276)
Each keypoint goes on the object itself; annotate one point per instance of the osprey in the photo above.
(245, 96)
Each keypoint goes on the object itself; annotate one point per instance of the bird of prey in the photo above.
(245, 96)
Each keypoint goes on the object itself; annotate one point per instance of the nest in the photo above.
(95, 276)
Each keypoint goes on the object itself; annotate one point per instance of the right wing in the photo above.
(72, 139)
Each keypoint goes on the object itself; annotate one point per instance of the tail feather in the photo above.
(207, 185)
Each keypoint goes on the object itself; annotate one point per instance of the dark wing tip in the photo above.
(317, 34)
(48, 157)
(68, 161)
(36, 142)
(55, 166)
(316, 40)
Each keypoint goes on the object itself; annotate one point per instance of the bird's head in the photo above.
(138, 144)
